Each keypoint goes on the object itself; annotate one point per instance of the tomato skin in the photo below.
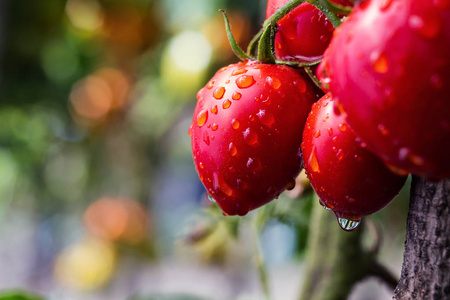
(388, 68)
(348, 179)
(303, 34)
(246, 140)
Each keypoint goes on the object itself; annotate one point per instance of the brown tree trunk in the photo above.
(426, 260)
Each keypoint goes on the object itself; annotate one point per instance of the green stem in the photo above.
(265, 47)
(253, 45)
(313, 77)
(234, 45)
(323, 6)
(258, 225)
(339, 9)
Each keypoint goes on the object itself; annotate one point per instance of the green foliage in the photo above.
(18, 295)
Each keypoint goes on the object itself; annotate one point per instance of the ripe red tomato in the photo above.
(348, 179)
(388, 68)
(246, 133)
(303, 34)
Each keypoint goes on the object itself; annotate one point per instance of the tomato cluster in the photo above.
(385, 113)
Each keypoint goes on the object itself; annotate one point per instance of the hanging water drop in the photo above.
(210, 198)
(348, 225)
(323, 204)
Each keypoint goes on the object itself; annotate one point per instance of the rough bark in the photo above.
(426, 261)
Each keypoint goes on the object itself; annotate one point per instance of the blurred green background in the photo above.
(99, 198)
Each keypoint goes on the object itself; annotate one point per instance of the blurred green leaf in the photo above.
(18, 295)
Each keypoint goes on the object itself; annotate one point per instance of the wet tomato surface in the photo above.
(246, 133)
(388, 68)
(349, 180)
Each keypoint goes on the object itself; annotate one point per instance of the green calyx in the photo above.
(261, 46)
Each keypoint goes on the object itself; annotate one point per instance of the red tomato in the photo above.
(388, 68)
(303, 34)
(246, 133)
(348, 179)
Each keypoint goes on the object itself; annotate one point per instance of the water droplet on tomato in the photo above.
(317, 133)
(330, 131)
(220, 186)
(253, 164)
(322, 203)
(239, 72)
(273, 82)
(226, 104)
(338, 109)
(241, 184)
(210, 84)
(214, 127)
(348, 225)
(245, 81)
(235, 124)
(250, 137)
(236, 96)
(219, 92)
(340, 154)
(201, 166)
(210, 198)
(206, 138)
(313, 162)
(233, 150)
(382, 129)
(191, 129)
(324, 38)
(380, 62)
(214, 109)
(428, 25)
(202, 117)
(300, 84)
(406, 154)
(342, 127)
(265, 117)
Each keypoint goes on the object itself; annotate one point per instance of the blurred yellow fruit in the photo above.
(87, 265)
